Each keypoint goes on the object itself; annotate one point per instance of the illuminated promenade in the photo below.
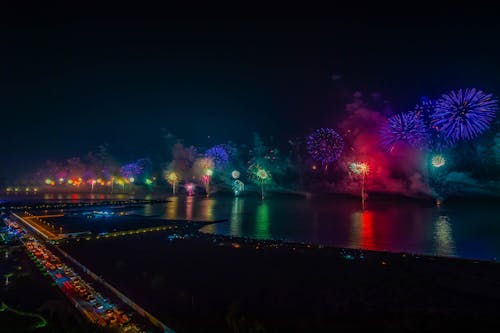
(40, 230)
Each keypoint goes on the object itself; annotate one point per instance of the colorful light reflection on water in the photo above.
(362, 232)
(463, 229)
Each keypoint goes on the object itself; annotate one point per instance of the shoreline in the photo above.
(205, 279)
(164, 195)
(314, 246)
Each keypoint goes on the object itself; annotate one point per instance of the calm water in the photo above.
(466, 229)
(470, 230)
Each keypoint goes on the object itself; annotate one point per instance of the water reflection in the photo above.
(235, 222)
(148, 210)
(189, 207)
(444, 243)
(262, 221)
(207, 211)
(362, 230)
(172, 207)
(401, 226)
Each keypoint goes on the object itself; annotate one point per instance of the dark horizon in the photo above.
(71, 84)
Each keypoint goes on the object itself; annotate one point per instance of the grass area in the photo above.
(40, 322)
(34, 304)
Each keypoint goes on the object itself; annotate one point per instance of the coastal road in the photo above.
(38, 228)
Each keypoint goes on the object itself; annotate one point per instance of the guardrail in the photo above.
(156, 322)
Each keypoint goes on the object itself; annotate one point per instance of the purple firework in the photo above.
(130, 170)
(136, 168)
(408, 127)
(464, 114)
(218, 154)
(325, 145)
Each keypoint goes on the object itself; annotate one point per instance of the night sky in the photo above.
(72, 82)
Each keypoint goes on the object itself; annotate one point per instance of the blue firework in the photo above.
(464, 114)
(424, 109)
(408, 127)
(219, 155)
(325, 145)
(130, 170)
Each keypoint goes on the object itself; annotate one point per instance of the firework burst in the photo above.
(219, 155)
(325, 145)
(260, 176)
(359, 168)
(464, 114)
(406, 127)
(238, 187)
(173, 179)
(438, 161)
(362, 169)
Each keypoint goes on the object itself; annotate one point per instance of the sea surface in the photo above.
(465, 228)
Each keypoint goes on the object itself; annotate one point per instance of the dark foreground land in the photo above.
(218, 284)
(32, 303)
